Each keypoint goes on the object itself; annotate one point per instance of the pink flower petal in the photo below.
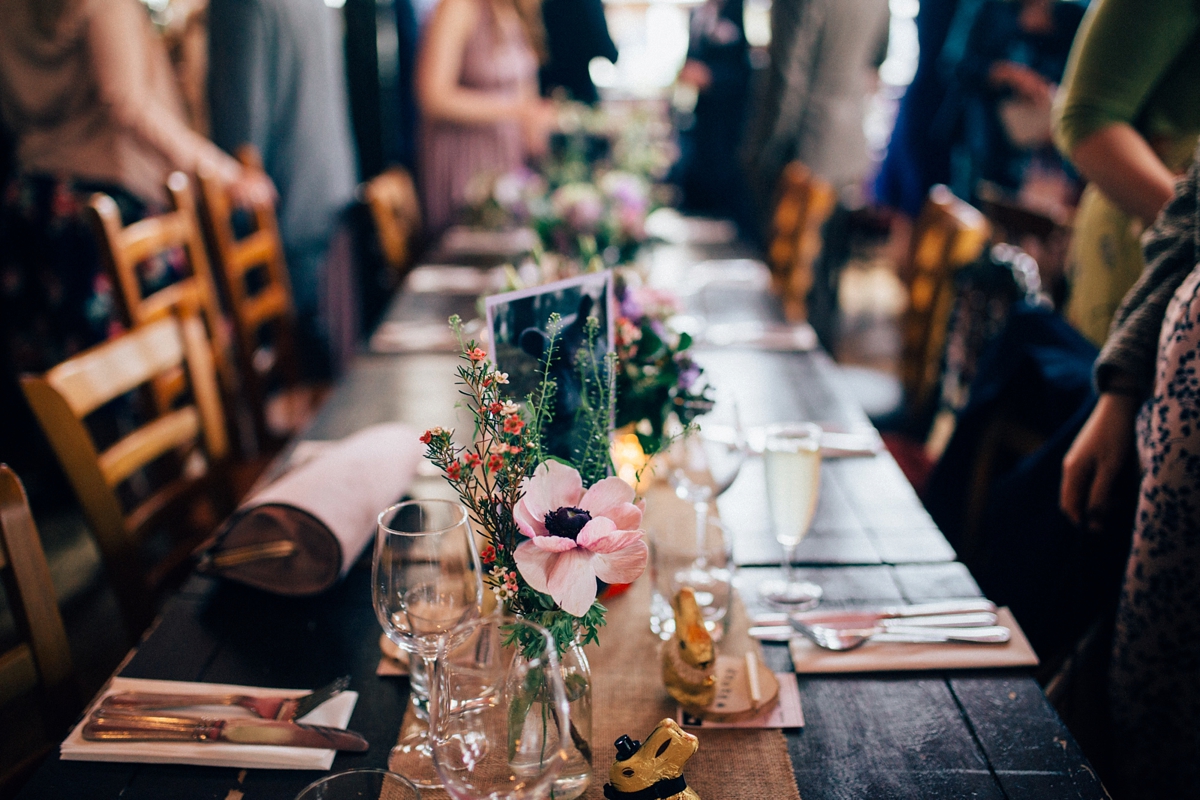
(622, 566)
(534, 565)
(601, 535)
(572, 581)
(606, 494)
(530, 524)
(553, 544)
(553, 485)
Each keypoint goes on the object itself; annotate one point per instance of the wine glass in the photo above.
(499, 718)
(426, 581)
(792, 459)
(359, 784)
(706, 463)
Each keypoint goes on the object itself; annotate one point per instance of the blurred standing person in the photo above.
(1013, 61)
(478, 94)
(277, 80)
(1128, 118)
(824, 54)
(90, 101)
(576, 32)
(718, 68)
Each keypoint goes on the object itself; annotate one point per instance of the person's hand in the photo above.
(538, 118)
(1091, 465)
(251, 187)
(1024, 81)
(697, 74)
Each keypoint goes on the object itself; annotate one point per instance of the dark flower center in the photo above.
(567, 522)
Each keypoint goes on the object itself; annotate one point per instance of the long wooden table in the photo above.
(984, 734)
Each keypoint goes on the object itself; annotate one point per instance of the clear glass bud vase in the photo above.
(526, 734)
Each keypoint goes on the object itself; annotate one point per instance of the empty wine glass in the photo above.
(361, 784)
(499, 718)
(706, 462)
(426, 582)
(792, 460)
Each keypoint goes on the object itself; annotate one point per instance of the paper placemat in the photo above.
(454, 279)
(334, 713)
(465, 240)
(906, 656)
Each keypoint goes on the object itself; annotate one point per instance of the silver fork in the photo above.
(841, 639)
(284, 709)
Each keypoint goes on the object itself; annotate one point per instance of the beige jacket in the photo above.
(94, 97)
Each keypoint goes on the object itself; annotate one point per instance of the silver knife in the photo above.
(110, 726)
(781, 633)
(831, 616)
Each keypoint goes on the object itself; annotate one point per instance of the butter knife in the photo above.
(119, 727)
(856, 615)
(781, 633)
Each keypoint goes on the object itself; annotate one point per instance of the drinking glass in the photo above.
(426, 581)
(706, 463)
(361, 784)
(792, 459)
(672, 556)
(498, 715)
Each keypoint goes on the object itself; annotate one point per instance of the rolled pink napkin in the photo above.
(303, 532)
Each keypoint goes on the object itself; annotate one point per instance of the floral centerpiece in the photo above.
(656, 375)
(605, 217)
(551, 528)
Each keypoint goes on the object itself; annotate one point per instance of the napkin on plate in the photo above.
(911, 656)
(320, 515)
(334, 712)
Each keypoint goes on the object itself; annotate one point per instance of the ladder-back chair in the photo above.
(124, 247)
(805, 203)
(182, 447)
(38, 666)
(391, 198)
(948, 235)
(254, 276)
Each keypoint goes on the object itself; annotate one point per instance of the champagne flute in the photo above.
(707, 462)
(426, 581)
(499, 718)
(792, 459)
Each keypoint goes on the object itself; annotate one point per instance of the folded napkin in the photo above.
(911, 656)
(451, 279)
(334, 713)
(464, 240)
(303, 532)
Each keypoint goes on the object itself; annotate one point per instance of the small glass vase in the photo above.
(576, 775)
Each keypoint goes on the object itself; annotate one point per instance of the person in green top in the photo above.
(1128, 117)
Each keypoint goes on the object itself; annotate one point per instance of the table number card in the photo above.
(787, 713)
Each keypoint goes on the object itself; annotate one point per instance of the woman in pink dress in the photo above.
(477, 89)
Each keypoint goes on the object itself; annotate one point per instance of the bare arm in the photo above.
(439, 64)
(1124, 166)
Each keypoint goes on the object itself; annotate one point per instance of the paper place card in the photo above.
(787, 713)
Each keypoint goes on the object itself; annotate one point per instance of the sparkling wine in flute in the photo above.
(792, 460)
(793, 484)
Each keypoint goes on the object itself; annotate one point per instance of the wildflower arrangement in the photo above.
(551, 528)
(605, 217)
(656, 374)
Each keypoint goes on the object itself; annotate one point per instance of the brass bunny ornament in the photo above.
(654, 768)
(688, 658)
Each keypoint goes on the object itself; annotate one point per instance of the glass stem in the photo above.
(701, 561)
(789, 573)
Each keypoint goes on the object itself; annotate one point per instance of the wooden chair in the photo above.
(948, 235)
(183, 448)
(805, 203)
(38, 667)
(391, 198)
(124, 247)
(254, 277)
(1045, 236)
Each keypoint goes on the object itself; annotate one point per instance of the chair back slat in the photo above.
(64, 396)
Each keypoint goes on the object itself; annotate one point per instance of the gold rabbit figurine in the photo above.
(688, 659)
(653, 768)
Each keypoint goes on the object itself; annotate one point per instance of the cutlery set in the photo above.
(137, 717)
(967, 621)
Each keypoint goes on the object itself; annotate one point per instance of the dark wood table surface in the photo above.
(980, 734)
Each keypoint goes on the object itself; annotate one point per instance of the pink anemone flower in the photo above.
(576, 537)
